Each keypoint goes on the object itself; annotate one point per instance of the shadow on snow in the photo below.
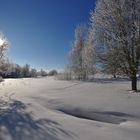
(16, 124)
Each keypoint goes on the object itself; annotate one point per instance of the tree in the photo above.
(26, 71)
(76, 54)
(4, 67)
(16, 71)
(3, 48)
(52, 73)
(42, 73)
(33, 72)
(82, 56)
(109, 62)
(116, 25)
(3, 45)
(88, 57)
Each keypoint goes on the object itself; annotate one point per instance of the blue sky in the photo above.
(40, 31)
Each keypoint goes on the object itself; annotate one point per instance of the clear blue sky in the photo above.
(40, 31)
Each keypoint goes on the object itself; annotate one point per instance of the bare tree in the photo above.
(116, 24)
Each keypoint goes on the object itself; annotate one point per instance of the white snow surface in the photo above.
(49, 109)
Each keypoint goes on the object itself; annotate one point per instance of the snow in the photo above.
(49, 109)
(1, 42)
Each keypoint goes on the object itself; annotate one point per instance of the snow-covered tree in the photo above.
(76, 57)
(3, 45)
(110, 64)
(82, 56)
(88, 57)
(3, 48)
(26, 71)
(4, 66)
(53, 72)
(116, 25)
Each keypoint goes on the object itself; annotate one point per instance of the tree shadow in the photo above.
(16, 124)
(95, 115)
(108, 80)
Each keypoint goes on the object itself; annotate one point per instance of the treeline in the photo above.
(12, 70)
(111, 42)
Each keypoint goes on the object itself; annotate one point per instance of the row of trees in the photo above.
(12, 70)
(113, 38)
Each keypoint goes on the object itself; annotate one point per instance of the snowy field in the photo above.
(49, 109)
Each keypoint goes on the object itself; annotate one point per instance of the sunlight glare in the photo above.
(1, 41)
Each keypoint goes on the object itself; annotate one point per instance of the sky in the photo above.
(40, 32)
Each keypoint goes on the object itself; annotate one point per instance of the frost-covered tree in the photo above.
(82, 54)
(116, 24)
(76, 54)
(26, 71)
(88, 57)
(3, 45)
(42, 73)
(3, 48)
(33, 72)
(110, 64)
(9, 69)
(52, 73)
(4, 67)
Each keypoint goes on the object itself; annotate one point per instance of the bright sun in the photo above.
(1, 41)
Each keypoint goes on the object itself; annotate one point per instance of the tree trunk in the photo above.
(114, 75)
(134, 82)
